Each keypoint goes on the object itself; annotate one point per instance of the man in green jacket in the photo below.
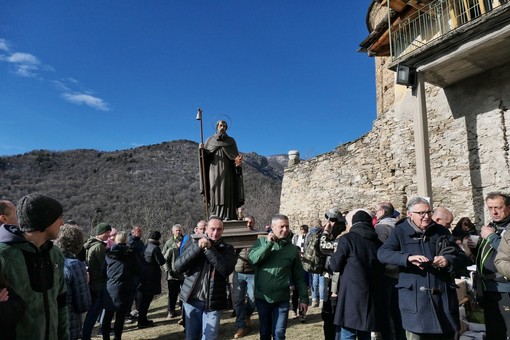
(35, 268)
(277, 262)
(96, 253)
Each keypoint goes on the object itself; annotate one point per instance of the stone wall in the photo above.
(384, 89)
(469, 128)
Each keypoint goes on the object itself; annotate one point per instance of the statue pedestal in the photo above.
(237, 234)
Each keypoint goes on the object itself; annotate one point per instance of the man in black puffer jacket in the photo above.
(207, 265)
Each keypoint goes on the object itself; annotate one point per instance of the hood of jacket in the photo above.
(365, 230)
(11, 234)
(387, 220)
(119, 252)
(152, 241)
(91, 242)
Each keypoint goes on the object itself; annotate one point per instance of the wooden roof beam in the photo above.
(396, 5)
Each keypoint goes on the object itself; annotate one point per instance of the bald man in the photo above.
(443, 217)
(7, 213)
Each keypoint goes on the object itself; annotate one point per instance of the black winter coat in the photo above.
(122, 265)
(153, 259)
(206, 273)
(136, 243)
(359, 296)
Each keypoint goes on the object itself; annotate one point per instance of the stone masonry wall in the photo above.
(469, 132)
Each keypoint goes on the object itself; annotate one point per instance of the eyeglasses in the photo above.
(422, 213)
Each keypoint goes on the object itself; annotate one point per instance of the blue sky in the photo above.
(113, 75)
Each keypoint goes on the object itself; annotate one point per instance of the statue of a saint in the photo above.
(223, 187)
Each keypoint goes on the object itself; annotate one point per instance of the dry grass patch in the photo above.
(170, 330)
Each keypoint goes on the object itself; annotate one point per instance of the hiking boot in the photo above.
(294, 315)
(240, 333)
(315, 303)
(145, 324)
(302, 318)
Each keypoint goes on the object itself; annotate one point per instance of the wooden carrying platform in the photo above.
(237, 234)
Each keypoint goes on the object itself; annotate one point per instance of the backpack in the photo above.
(314, 261)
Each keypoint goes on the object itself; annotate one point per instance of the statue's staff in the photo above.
(202, 164)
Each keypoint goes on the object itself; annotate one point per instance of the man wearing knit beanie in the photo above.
(360, 277)
(31, 264)
(36, 212)
(96, 253)
(102, 228)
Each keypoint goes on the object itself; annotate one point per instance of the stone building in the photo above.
(445, 134)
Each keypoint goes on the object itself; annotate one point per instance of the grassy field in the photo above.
(170, 330)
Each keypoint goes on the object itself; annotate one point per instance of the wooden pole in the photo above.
(202, 165)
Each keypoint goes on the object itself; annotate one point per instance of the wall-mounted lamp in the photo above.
(406, 75)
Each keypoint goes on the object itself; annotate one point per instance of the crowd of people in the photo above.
(55, 284)
(372, 273)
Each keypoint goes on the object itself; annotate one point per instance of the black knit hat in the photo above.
(37, 212)
(361, 216)
(155, 235)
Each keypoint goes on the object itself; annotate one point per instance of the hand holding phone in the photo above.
(271, 237)
(486, 231)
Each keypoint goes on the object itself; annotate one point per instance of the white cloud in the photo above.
(48, 68)
(23, 58)
(25, 64)
(68, 85)
(26, 70)
(72, 81)
(60, 86)
(3, 45)
(86, 99)
(29, 66)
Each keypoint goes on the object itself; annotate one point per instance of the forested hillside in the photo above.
(155, 186)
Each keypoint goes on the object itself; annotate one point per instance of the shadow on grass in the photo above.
(170, 330)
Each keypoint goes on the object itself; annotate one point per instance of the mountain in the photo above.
(155, 186)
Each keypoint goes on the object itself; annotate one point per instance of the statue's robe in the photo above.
(223, 180)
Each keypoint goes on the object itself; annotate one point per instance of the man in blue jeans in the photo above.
(207, 264)
(244, 299)
(277, 261)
